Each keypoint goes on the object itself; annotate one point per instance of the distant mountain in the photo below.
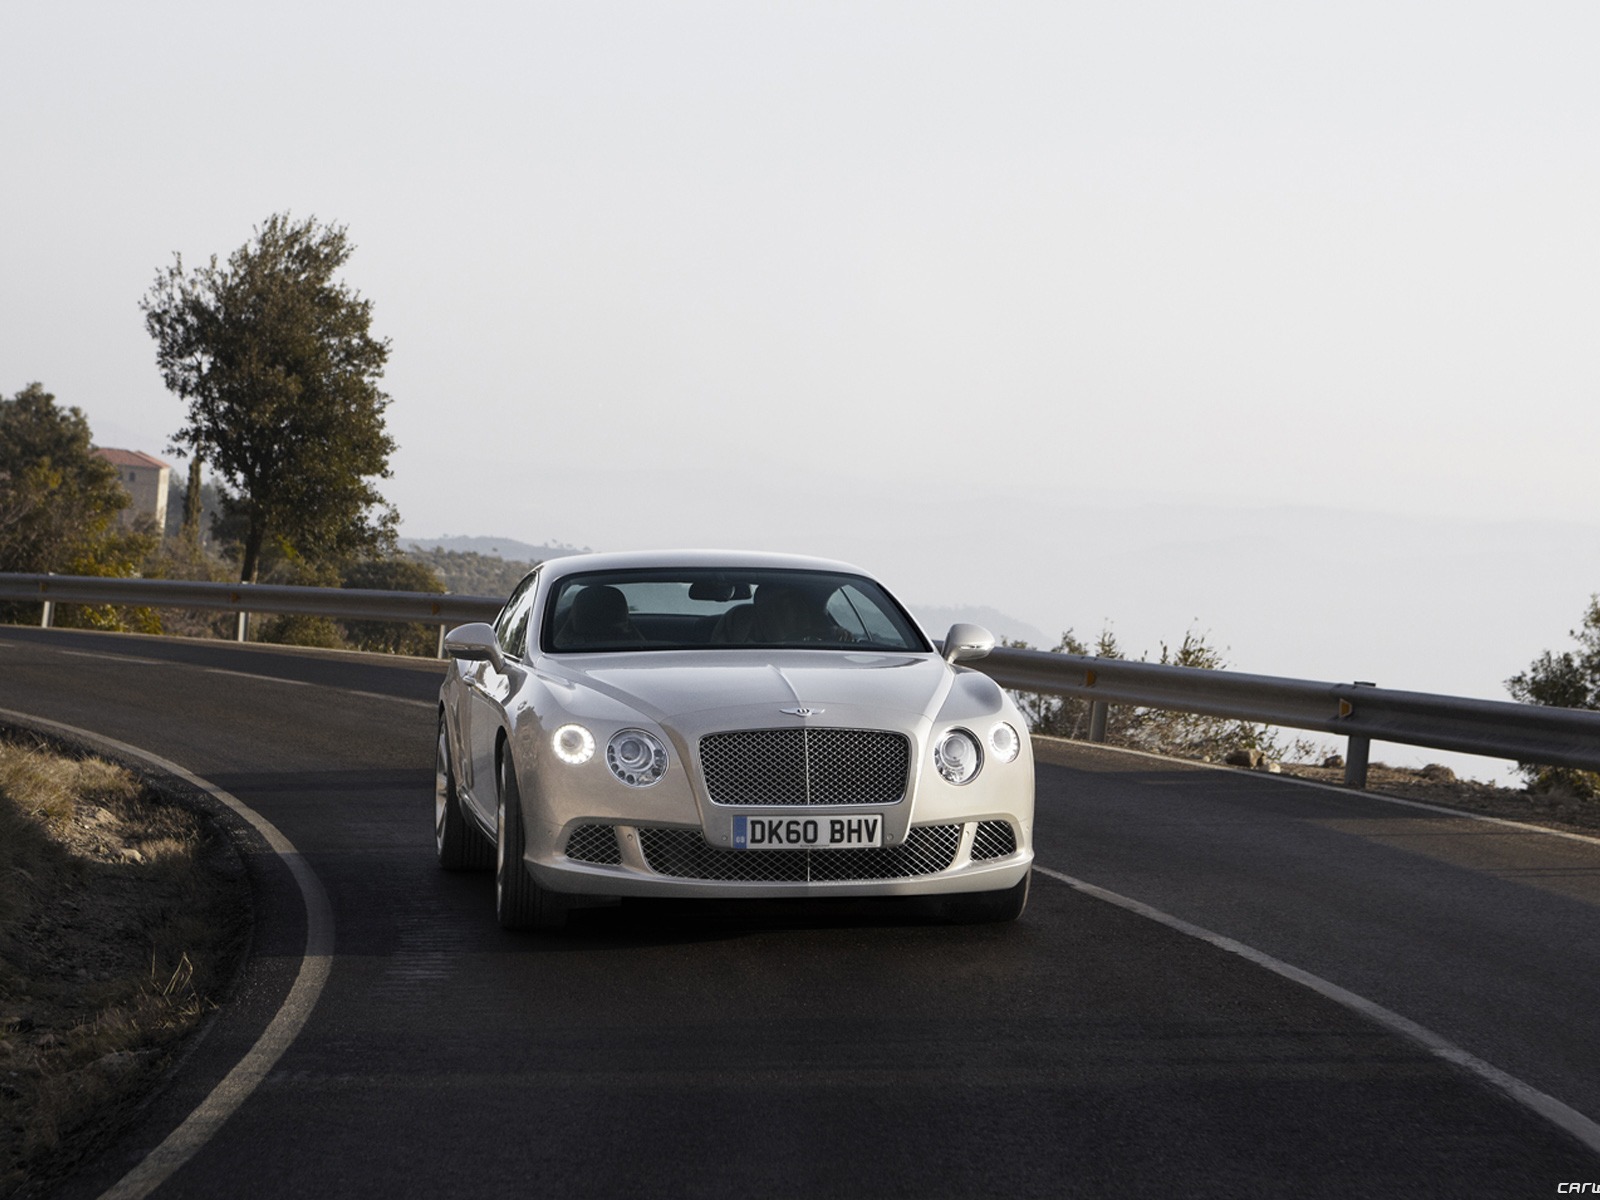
(937, 619)
(507, 548)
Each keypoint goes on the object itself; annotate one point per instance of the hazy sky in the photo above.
(870, 280)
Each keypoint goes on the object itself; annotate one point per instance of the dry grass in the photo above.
(121, 915)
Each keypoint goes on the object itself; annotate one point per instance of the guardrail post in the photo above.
(1097, 720)
(243, 632)
(48, 615)
(440, 652)
(1356, 752)
(1355, 762)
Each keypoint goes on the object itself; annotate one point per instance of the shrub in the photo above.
(1186, 735)
(1570, 679)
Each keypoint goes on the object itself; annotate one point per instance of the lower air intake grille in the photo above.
(684, 854)
(594, 844)
(993, 839)
(806, 766)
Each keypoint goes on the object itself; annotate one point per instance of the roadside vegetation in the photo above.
(59, 505)
(468, 573)
(122, 915)
(1184, 735)
(1570, 679)
(1560, 797)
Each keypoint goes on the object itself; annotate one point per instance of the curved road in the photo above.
(852, 1050)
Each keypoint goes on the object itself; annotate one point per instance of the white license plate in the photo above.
(807, 833)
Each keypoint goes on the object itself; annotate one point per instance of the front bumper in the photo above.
(634, 860)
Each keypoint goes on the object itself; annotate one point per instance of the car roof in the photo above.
(571, 564)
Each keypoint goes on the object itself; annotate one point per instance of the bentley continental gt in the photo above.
(717, 724)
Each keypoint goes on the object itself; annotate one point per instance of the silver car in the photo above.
(703, 724)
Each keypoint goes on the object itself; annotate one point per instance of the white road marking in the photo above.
(198, 1127)
(117, 658)
(162, 662)
(333, 687)
(253, 675)
(429, 704)
(1561, 1115)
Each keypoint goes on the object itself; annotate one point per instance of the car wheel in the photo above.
(519, 901)
(989, 908)
(461, 847)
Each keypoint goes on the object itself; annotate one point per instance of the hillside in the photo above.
(499, 547)
(468, 573)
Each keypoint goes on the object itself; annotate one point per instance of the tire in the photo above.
(460, 845)
(519, 901)
(989, 908)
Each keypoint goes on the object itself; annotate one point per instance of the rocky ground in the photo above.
(122, 916)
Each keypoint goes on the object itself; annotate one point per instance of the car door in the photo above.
(488, 690)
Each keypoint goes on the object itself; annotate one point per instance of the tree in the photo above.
(1566, 680)
(280, 370)
(56, 497)
(59, 503)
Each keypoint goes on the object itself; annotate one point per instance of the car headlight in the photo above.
(1005, 742)
(957, 756)
(636, 757)
(573, 744)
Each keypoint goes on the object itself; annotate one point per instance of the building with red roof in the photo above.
(146, 478)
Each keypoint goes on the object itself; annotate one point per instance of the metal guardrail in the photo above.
(1359, 712)
(348, 604)
(1562, 737)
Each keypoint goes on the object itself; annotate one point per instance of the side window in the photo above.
(845, 616)
(854, 610)
(517, 638)
(511, 626)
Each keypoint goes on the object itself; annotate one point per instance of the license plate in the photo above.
(807, 833)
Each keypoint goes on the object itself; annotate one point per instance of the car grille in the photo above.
(684, 854)
(594, 844)
(768, 767)
(993, 839)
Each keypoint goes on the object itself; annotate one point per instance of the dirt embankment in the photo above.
(122, 917)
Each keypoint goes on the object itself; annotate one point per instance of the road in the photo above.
(856, 1050)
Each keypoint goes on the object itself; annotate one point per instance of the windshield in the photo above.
(701, 608)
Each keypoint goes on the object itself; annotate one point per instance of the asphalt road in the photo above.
(855, 1050)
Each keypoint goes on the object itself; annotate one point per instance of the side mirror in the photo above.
(962, 643)
(475, 643)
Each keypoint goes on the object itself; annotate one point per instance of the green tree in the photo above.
(278, 365)
(57, 499)
(1570, 679)
(59, 503)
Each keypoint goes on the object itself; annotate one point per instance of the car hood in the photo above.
(843, 687)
